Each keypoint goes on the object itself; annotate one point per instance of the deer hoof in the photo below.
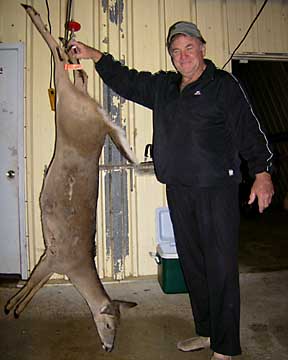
(6, 310)
(16, 315)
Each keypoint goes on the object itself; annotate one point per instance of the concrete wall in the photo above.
(135, 32)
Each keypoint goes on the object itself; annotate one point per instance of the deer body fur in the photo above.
(68, 199)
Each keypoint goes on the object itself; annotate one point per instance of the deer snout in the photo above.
(107, 347)
(106, 327)
(107, 338)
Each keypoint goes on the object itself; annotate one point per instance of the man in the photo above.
(202, 121)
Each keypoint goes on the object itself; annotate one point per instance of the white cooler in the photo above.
(170, 276)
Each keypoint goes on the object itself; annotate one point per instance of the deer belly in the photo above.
(68, 214)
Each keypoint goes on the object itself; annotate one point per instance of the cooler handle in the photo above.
(156, 257)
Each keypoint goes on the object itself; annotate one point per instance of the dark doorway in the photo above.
(263, 238)
(266, 83)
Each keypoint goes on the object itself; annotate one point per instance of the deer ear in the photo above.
(108, 309)
(124, 305)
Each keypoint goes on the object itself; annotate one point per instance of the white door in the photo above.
(13, 257)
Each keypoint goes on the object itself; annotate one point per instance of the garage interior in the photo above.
(57, 324)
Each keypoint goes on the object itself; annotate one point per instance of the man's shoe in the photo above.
(221, 357)
(195, 343)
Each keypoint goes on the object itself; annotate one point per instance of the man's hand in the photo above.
(79, 50)
(263, 189)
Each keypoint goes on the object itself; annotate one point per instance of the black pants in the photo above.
(206, 228)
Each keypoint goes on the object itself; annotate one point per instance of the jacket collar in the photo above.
(209, 72)
(207, 75)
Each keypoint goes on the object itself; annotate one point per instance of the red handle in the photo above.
(73, 26)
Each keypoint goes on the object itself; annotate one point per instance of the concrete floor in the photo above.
(57, 323)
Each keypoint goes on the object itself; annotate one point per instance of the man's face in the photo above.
(187, 54)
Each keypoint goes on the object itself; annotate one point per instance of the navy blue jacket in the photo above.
(199, 132)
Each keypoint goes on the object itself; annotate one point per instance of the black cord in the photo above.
(50, 30)
(247, 32)
(68, 19)
(48, 15)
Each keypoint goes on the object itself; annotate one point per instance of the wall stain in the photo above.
(116, 197)
(106, 40)
(115, 11)
(116, 193)
(13, 150)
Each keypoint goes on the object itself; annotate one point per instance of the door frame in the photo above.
(19, 47)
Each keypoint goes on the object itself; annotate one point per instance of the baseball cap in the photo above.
(184, 27)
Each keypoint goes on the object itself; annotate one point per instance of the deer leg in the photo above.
(38, 278)
(81, 80)
(58, 54)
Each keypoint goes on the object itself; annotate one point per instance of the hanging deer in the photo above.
(68, 199)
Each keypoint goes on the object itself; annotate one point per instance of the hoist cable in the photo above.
(50, 30)
(68, 19)
(247, 32)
